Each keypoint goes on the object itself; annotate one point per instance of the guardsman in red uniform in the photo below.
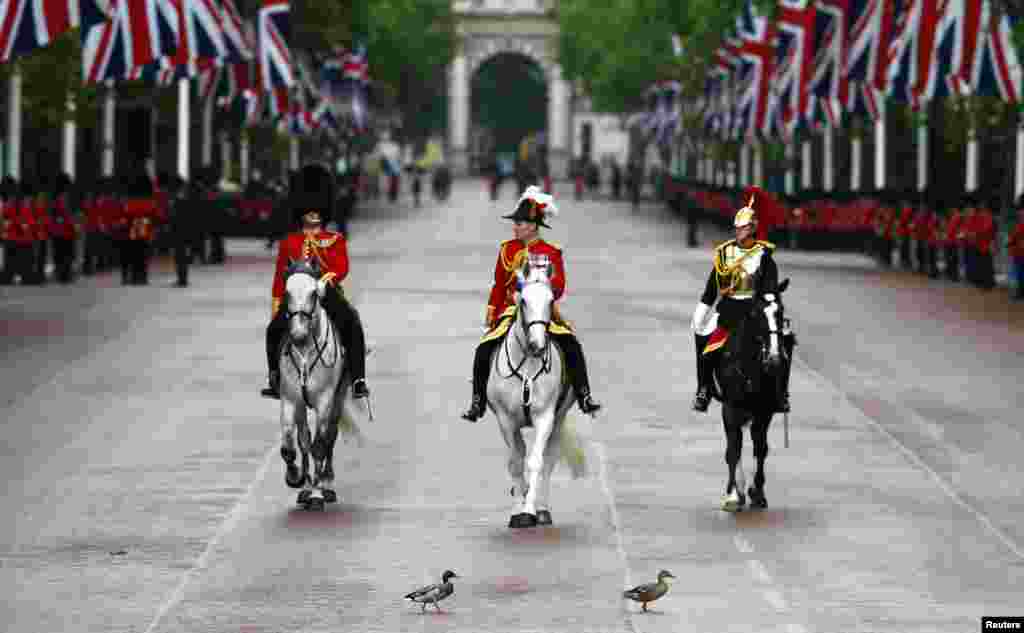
(984, 235)
(533, 208)
(10, 229)
(1015, 249)
(903, 231)
(22, 226)
(933, 236)
(311, 202)
(63, 229)
(40, 206)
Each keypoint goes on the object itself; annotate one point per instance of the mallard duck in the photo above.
(432, 594)
(651, 591)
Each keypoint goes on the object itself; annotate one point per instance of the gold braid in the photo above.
(731, 274)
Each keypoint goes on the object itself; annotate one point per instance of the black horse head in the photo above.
(752, 356)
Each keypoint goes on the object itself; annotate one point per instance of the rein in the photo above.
(307, 368)
(545, 357)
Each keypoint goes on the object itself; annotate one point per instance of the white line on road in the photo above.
(946, 487)
(229, 524)
(614, 515)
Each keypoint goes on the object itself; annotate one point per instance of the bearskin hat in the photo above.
(312, 189)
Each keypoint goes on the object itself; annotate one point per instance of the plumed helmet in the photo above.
(534, 206)
(746, 215)
(312, 189)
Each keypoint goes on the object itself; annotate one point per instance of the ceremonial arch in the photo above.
(489, 29)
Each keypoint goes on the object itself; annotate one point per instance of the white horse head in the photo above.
(535, 302)
(303, 291)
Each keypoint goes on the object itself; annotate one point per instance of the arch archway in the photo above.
(508, 103)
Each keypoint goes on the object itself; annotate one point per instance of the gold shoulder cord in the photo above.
(730, 274)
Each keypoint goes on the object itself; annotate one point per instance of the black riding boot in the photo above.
(274, 333)
(702, 400)
(351, 330)
(788, 343)
(578, 373)
(481, 369)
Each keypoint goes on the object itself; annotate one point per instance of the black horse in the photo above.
(751, 374)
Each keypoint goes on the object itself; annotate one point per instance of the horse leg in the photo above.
(535, 462)
(759, 437)
(289, 414)
(732, 420)
(306, 445)
(516, 454)
(551, 455)
(330, 438)
(318, 451)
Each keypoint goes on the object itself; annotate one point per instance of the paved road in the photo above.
(130, 423)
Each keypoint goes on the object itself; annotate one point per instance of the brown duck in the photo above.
(650, 591)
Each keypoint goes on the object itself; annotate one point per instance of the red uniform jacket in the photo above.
(62, 223)
(1015, 244)
(40, 211)
(510, 257)
(143, 215)
(983, 232)
(328, 248)
(22, 225)
(953, 229)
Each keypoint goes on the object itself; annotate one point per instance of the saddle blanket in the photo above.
(508, 317)
(717, 340)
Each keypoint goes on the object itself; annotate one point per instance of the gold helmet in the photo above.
(746, 215)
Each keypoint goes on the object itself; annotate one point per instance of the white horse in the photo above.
(528, 387)
(314, 397)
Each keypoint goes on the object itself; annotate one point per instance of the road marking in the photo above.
(946, 487)
(229, 524)
(614, 515)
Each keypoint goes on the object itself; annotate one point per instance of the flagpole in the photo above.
(225, 154)
(759, 164)
(243, 157)
(805, 165)
(108, 130)
(829, 176)
(1019, 180)
(972, 158)
(207, 151)
(856, 147)
(922, 156)
(293, 152)
(744, 165)
(880, 150)
(184, 95)
(789, 176)
(14, 123)
(68, 164)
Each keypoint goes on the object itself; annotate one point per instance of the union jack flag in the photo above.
(901, 56)
(996, 69)
(869, 27)
(275, 57)
(829, 84)
(120, 36)
(237, 40)
(789, 91)
(26, 25)
(757, 55)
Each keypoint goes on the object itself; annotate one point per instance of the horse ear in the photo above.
(783, 285)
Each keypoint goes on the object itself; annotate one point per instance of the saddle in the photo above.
(508, 317)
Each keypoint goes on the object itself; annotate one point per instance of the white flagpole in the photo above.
(68, 163)
(109, 107)
(856, 146)
(14, 123)
(184, 130)
(829, 151)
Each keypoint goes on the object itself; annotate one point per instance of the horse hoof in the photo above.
(733, 502)
(522, 520)
(543, 517)
(292, 477)
(757, 499)
(304, 497)
(330, 496)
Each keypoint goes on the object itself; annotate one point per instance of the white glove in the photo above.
(701, 315)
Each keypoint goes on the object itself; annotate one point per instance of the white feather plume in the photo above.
(533, 192)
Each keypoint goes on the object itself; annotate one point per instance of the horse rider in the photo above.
(311, 200)
(743, 269)
(531, 210)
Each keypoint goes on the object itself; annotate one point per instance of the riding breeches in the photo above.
(350, 328)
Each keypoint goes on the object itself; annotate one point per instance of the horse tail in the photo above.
(570, 448)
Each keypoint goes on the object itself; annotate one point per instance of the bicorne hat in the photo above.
(312, 189)
(534, 206)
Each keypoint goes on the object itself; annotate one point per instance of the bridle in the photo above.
(307, 367)
(545, 354)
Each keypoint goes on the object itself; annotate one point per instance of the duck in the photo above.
(651, 591)
(432, 594)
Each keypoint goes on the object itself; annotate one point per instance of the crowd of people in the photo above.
(931, 234)
(108, 225)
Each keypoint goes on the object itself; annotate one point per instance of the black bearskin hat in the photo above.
(312, 189)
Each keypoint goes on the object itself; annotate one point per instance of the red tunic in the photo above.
(509, 259)
(21, 225)
(953, 229)
(1015, 244)
(330, 249)
(62, 223)
(42, 220)
(983, 230)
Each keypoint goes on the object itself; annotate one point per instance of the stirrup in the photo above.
(359, 388)
(702, 400)
(272, 390)
(587, 404)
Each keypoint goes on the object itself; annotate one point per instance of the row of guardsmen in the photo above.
(116, 221)
(932, 234)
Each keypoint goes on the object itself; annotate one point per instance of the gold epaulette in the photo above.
(512, 262)
(558, 247)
